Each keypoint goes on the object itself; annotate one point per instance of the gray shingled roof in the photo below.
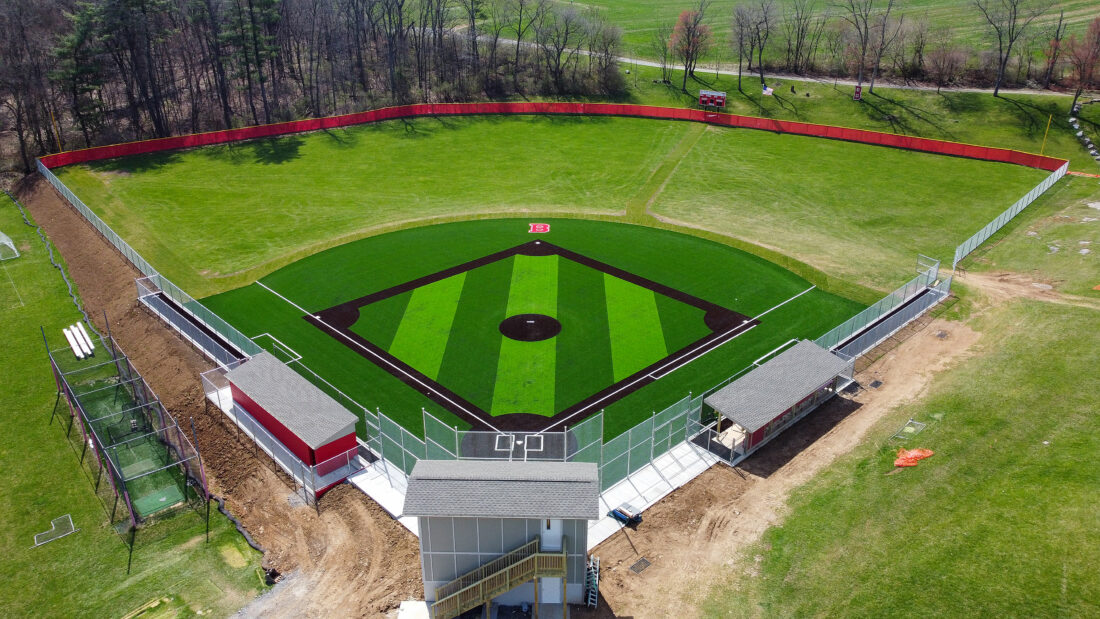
(502, 489)
(766, 392)
(295, 402)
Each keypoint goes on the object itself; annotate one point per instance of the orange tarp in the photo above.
(910, 457)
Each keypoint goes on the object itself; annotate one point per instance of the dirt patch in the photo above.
(351, 559)
(1001, 286)
(705, 524)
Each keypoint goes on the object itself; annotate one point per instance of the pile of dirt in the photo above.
(351, 559)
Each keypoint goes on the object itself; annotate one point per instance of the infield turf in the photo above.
(471, 357)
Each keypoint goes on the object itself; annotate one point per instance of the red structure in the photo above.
(536, 107)
(310, 424)
(712, 98)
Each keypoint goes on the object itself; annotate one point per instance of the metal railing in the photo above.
(992, 227)
(174, 292)
(884, 306)
(497, 577)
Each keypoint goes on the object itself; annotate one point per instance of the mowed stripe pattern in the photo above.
(449, 330)
(421, 338)
(526, 374)
(635, 326)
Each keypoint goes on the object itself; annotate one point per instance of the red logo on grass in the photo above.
(539, 228)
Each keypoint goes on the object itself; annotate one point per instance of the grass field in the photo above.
(1001, 521)
(85, 573)
(1012, 121)
(639, 19)
(264, 204)
(471, 355)
(1057, 240)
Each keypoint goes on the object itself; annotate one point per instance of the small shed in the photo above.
(313, 426)
(774, 395)
(487, 522)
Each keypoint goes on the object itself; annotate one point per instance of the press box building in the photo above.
(502, 532)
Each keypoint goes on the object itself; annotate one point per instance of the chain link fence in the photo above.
(170, 290)
(884, 306)
(999, 222)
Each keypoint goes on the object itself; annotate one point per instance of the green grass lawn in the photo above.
(477, 363)
(1002, 520)
(1013, 121)
(263, 204)
(1057, 240)
(85, 573)
(640, 18)
(827, 202)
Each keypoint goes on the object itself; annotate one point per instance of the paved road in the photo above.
(753, 78)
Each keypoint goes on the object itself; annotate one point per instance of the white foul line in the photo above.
(757, 317)
(377, 356)
(709, 348)
(679, 364)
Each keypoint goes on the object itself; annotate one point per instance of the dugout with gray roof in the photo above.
(501, 489)
(757, 398)
(293, 401)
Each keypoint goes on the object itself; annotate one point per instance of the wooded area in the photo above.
(75, 74)
(81, 73)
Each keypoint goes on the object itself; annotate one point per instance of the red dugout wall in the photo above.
(321, 456)
(941, 147)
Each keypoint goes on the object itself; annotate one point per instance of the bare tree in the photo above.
(1008, 20)
(471, 8)
(658, 44)
(742, 37)
(858, 14)
(1053, 50)
(1084, 57)
(525, 13)
(691, 39)
(945, 59)
(761, 32)
(886, 33)
(799, 25)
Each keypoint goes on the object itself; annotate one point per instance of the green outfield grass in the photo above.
(85, 573)
(880, 216)
(264, 204)
(611, 327)
(1056, 240)
(640, 18)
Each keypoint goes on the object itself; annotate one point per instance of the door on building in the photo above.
(550, 590)
(551, 535)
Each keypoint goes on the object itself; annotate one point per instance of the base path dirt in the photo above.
(351, 560)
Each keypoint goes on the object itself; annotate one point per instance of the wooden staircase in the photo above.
(497, 577)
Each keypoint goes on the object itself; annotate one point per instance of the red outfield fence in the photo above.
(942, 147)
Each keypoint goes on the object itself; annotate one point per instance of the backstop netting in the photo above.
(7, 248)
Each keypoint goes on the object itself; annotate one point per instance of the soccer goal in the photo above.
(7, 248)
